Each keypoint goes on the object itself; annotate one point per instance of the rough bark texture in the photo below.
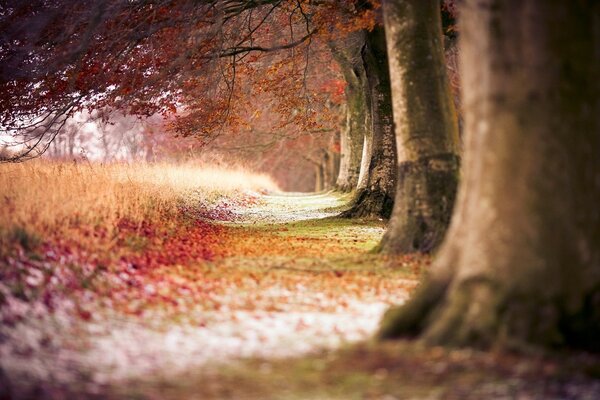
(521, 263)
(347, 53)
(375, 194)
(425, 124)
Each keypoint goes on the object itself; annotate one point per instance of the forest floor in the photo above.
(257, 297)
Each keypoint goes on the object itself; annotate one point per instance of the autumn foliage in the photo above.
(186, 60)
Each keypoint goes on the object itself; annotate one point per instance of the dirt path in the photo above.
(288, 279)
(272, 298)
(297, 293)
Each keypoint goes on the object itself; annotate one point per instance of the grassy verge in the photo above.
(93, 233)
(44, 199)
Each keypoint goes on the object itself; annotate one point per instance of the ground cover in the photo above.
(212, 285)
(144, 276)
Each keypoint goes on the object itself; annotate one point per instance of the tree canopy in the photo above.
(197, 61)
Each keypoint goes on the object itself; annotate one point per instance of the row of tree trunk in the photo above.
(400, 155)
(520, 264)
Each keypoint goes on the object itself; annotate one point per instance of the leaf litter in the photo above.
(261, 276)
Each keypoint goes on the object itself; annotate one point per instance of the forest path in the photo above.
(291, 207)
(304, 337)
(278, 302)
(294, 280)
(284, 277)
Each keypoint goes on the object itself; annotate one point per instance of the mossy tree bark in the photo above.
(375, 194)
(520, 266)
(347, 53)
(425, 124)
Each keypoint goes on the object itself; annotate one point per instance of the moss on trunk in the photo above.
(425, 197)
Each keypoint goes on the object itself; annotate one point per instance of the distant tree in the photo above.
(377, 180)
(520, 265)
(347, 51)
(368, 141)
(70, 144)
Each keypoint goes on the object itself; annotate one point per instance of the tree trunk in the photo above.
(521, 263)
(71, 132)
(351, 143)
(426, 127)
(319, 178)
(333, 167)
(375, 193)
(347, 53)
(328, 166)
(365, 161)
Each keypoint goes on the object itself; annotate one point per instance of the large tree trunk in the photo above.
(521, 262)
(375, 192)
(347, 53)
(425, 124)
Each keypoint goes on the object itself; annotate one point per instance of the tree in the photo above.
(375, 192)
(520, 265)
(425, 126)
(347, 53)
(362, 56)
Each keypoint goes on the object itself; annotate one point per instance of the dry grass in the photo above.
(45, 198)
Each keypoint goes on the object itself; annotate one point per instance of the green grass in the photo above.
(365, 234)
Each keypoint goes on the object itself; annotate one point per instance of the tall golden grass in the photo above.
(44, 197)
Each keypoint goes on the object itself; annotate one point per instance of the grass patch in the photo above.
(57, 199)
(359, 235)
